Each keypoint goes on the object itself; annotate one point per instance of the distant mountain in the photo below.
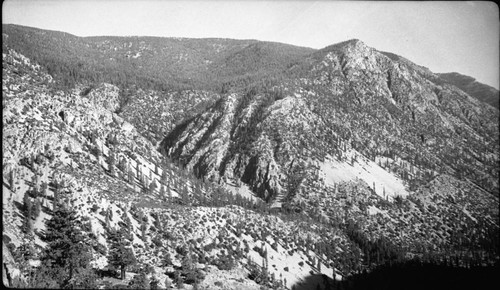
(151, 62)
(472, 87)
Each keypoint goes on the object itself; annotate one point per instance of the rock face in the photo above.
(9, 269)
(347, 95)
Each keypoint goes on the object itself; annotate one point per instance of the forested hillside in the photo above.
(474, 88)
(150, 62)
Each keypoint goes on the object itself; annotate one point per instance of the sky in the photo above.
(442, 36)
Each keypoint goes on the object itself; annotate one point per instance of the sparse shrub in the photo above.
(202, 259)
(181, 250)
(209, 247)
(225, 262)
(95, 207)
(86, 91)
(156, 241)
(218, 283)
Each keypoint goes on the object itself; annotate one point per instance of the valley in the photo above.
(237, 164)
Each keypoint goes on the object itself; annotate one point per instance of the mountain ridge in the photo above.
(348, 66)
(471, 86)
(200, 81)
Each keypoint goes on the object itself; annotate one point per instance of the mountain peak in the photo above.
(357, 44)
(352, 44)
(356, 41)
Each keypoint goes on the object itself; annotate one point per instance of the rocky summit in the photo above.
(148, 162)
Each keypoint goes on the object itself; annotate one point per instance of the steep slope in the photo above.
(73, 147)
(355, 130)
(354, 97)
(472, 87)
(155, 113)
(371, 159)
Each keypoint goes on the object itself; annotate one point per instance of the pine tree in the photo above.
(97, 151)
(138, 171)
(11, 180)
(37, 208)
(28, 224)
(162, 193)
(55, 200)
(26, 202)
(185, 194)
(112, 163)
(153, 186)
(36, 183)
(122, 164)
(264, 261)
(127, 221)
(108, 218)
(67, 248)
(145, 182)
(143, 230)
(164, 176)
(131, 175)
(120, 254)
(44, 189)
(188, 267)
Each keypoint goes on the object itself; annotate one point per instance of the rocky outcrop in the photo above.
(9, 269)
